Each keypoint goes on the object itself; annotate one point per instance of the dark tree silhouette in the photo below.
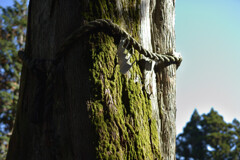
(191, 143)
(209, 137)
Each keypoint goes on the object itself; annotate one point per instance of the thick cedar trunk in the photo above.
(98, 113)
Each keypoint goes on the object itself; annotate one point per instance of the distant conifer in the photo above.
(13, 22)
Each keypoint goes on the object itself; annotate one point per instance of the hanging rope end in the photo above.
(178, 57)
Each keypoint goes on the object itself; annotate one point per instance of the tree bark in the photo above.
(164, 42)
(97, 112)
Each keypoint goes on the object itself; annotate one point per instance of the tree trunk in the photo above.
(97, 112)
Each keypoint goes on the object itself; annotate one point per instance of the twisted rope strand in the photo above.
(50, 67)
(108, 27)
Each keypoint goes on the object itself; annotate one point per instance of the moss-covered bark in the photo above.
(120, 108)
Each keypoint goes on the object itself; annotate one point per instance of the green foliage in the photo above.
(209, 137)
(236, 139)
(12, 37)
(191, 143)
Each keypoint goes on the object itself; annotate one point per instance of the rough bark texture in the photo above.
(98, 113)
(163, 33)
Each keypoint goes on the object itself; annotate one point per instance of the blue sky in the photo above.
(5, 3)
(208, 36)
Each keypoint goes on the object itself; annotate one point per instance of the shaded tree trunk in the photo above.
(97, 112)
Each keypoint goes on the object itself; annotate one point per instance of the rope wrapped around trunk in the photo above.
(45, 69)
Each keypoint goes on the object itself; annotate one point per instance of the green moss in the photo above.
(119, 107)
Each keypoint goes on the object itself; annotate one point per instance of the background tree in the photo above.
(236, 139)
(191, 143)
(218, 136)
(209, 137)
(13, 22)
